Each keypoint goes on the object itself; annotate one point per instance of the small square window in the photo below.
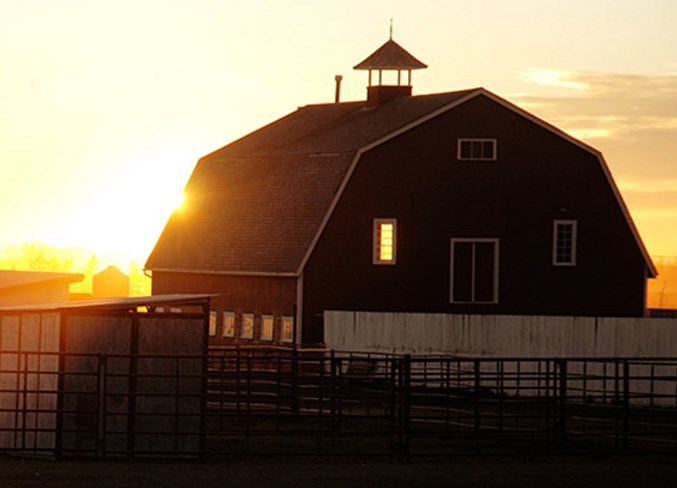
(385, 241)
(228, 324)
(212, 323)
(476, 149)
(267, 328)
(247, 326)
(287, 334)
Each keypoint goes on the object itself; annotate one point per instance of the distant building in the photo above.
(111, 282)
(18, 288)
(457, 202)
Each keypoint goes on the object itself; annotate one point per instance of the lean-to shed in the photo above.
(104, 378)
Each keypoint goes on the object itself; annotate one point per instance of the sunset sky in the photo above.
(105, 106)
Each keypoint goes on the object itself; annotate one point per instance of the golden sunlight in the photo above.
(562, 79)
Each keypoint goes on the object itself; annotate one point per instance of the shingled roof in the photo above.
(390, 56)
(255, 205)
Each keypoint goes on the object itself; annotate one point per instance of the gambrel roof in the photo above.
(258, 205)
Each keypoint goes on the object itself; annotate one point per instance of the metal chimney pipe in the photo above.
(337, 97)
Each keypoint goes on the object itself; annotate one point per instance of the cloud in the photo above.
(602, 105)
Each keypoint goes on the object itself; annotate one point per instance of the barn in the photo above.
(458, 203)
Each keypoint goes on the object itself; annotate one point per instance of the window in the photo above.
(267, 328)
(564, 243)
(385, 241)
(212, 323)
(474, 271)
(287, 334)
(247, 326)
(228, 324)
(477, 149)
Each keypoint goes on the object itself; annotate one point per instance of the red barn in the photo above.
(457, 202)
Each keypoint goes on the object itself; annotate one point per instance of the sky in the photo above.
(105, 106)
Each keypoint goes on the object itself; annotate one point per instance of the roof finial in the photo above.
(391, 28)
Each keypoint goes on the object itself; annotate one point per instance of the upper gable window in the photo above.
(385, 241)
(564, 243)
(477, 149)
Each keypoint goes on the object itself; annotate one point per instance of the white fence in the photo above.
(500, 335)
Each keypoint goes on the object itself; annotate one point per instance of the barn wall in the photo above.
(416, 178)
(501, 335)
(258, 295)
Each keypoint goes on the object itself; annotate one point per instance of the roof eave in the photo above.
(224, 272)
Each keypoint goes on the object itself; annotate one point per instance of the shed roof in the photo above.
(11, 279)
(122, 303)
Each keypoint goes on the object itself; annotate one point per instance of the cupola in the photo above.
(390, 57)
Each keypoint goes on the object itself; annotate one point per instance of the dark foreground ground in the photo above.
(550, 472)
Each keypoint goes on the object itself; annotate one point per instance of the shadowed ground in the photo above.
(552, 472)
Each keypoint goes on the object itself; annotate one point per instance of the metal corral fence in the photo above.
(266, 401)
(104, 406)
(310, 402)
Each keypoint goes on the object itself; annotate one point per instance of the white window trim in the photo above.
(226, 316)
(493, 157)
(375, 241)
(574, 242)
(454, 240)
(213, 323)
(242, 334)
(263, 327)
(282, 338)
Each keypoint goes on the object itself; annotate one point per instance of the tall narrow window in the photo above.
(267, 328)
(385, 241)
(474, 271)
(212, 323)
(228, 324)
(564, 243)
(247, 326)
(477, 149)
(287, 334)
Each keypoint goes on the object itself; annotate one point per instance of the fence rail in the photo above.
(286, 401)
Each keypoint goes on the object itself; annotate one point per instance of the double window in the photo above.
(564, 234)
(474, 270)
(385, 241)
(476, 149)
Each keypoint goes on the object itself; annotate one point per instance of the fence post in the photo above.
(101, 417)
(626, 405)
(562, 416)
(477, 392)
(404, 409)
(294, 381)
